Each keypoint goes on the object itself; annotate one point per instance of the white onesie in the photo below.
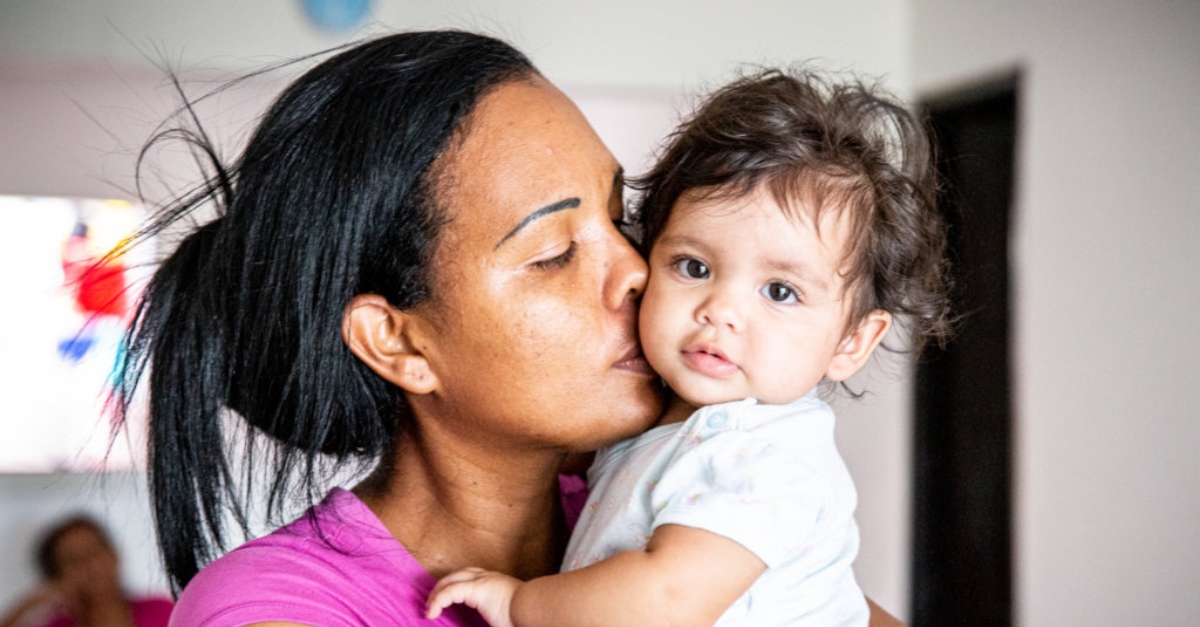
(766, 476)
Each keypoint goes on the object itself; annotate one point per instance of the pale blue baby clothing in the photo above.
(766, 476)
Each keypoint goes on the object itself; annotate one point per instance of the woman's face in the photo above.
(533, 312)
(86, 562)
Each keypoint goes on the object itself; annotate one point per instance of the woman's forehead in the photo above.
(531, 129)
(526, 145)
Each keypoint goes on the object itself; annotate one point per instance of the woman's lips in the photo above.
(709, 362)
(634, 361)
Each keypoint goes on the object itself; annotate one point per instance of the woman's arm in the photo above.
(670, 582)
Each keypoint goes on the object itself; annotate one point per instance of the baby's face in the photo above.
(744, 300)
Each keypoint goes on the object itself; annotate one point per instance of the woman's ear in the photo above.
(386, 339)
(856, 348)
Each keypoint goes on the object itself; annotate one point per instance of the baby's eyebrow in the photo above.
(682, 240)
(566, 203)
(800, 270)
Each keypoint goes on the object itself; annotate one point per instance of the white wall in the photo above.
(625, 43)
(1107, 294)
(78, 96)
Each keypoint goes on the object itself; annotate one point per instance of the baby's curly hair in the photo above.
(820, 143)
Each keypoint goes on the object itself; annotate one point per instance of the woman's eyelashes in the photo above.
(557, 261)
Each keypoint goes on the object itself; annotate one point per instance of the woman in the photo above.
(415, 263)
(82, 586)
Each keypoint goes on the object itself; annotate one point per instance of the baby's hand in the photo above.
(490, 593)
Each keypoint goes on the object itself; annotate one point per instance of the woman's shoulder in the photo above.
(335, 565)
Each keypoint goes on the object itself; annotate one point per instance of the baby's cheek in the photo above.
(654, 325)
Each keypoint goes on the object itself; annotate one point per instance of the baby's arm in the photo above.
(684, 576)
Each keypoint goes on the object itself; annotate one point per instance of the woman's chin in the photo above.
(626, 420)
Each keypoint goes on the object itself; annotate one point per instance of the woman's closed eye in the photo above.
(780, 292)
(557, 261)
(691, 267)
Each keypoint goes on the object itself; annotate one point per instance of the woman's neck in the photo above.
(108, 610)
(452, 507)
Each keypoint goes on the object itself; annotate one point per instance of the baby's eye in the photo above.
(691, 268)
(778, 292)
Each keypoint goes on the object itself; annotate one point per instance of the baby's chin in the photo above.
(702, 398)
(698, 399)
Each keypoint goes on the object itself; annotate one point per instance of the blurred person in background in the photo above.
(81, 584)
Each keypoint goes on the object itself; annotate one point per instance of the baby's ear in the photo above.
(387, 340)
(856, 348)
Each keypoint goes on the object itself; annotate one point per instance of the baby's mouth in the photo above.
(709, 361)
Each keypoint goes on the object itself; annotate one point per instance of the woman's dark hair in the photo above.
(827, 144)
(333, 197)
(45, 553)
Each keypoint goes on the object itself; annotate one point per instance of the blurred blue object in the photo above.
(336, 15)
(75, 347)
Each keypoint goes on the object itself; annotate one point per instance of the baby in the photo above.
(789, 225)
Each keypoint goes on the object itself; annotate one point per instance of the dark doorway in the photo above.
(962, 541)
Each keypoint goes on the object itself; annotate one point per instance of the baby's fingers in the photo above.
(448, 590)
(458, 576)
(488, 592)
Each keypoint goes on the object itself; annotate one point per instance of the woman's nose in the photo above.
(627, 275)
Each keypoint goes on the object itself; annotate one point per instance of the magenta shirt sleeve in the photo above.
(336, 567)
(574, 493)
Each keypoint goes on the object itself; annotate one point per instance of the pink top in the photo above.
(346, 570)
(146, 613)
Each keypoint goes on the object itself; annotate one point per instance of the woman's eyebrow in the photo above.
(567, 203)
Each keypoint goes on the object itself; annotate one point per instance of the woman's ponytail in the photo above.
(177, 336)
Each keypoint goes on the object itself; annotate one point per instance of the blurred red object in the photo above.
(99, 286)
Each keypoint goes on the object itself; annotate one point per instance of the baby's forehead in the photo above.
(829, 215)
(767, 224)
